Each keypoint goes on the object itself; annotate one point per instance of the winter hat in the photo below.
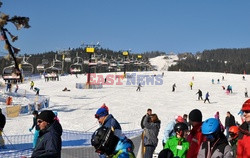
(47, 116)
(195, 115)
(246, 105)
(35, 112)
(166, 153)
(101, 112)
(179, 119)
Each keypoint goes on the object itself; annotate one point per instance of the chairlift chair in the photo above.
(10, 73)
(27, 68)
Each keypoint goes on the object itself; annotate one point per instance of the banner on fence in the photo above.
(13, 111)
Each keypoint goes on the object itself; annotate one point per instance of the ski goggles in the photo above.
(246, 111)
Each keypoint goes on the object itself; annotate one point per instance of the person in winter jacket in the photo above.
(107, 120)
(217, 116)
(216, 145)
(36, 133)
(195, 137)
(207, 98)
(229, 121)
(233, 139)
(151, 132)
(32, 85)
(178, 144)
(2, 124)
(173, 87)
(108, 144)
(243, 147)
(149, 112)
(49, 143)
(169, 130)
(199, 94)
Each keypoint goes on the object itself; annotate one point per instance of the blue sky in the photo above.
(140, 25)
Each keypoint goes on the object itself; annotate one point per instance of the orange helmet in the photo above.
(246, 105)
(233, 131)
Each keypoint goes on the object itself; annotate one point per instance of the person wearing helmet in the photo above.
(107, 143)
(195, 137)
(178, 144)
(243, 147)
(233, 133)
(216, 145)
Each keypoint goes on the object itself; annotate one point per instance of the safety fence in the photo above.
(75, 144)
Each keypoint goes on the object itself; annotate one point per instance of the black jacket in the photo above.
(230, 121)
(2, 121)
(49, 143)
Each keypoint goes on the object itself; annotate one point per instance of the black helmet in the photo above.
(104, 140)
(180, 127)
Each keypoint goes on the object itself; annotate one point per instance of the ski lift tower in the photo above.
(125, 54)
(90, 49)
(139, 57)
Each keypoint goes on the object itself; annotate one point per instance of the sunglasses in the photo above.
(39, 121)
(246, 111)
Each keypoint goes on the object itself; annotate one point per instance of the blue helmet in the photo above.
(210, 126)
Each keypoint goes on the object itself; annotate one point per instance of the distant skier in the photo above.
(191, 85)
(243, 78)
(139, 87)
(173, 87)
(199, 94)
(246, 93)
(36, 90)
(223, 78)
(32, 85)
(16, 88)
(218, 81)
(162, 74)
(207, 98)
(212, 81)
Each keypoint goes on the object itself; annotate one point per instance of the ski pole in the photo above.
(8, 140)
(90, 128)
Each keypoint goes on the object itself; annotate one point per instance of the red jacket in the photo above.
(243, 147)
(195, 138)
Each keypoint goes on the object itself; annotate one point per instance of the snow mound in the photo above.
(162, 63)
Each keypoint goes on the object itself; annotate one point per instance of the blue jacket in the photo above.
(169, 131)
(49, 143)
(111, 122)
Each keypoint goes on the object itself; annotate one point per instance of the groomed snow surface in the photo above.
(76, 108)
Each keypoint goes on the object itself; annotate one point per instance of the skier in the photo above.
(207, 99)
(139, 87)
(174, 86)
(8, 87)
(191, 85)
(178, 144)
(32, 85)
(199, 94)
(16, 88)
(216, 144)
(246, 93)
(36, 90)
(212, 81)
